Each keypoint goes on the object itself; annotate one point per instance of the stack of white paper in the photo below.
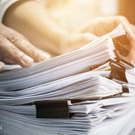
(68, 77)
(95, 53)
(123, 124)
(105, 117)
(82, 86)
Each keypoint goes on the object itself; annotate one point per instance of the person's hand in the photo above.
(104, 25)
(15, 49)
(43, 31)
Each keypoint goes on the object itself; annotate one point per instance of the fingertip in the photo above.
(43, 56)
(0, 67)
(26, 61)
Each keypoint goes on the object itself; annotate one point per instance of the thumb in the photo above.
(78, 40)
(88, 37)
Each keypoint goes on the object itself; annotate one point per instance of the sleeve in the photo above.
(4, 5)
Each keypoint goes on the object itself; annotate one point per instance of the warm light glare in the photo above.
(71, 14)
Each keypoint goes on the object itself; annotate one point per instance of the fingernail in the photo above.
(44, 56)
(27, 59)
(0, 67)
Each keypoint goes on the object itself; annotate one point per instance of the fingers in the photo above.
(8, 50)
(21, 43)
(128, 28)
(23, 46)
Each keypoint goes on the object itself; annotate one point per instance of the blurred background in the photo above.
(71, 14)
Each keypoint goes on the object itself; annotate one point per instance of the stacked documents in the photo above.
(95, 53)
(78, 93)
(81, 86)
(112, 116)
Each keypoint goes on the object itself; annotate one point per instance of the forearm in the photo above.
(32, 20)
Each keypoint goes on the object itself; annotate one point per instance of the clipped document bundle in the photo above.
(78, 93)
(111, 116)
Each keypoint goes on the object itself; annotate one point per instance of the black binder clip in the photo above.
(122, 51)
(52, 109)
(118, 73)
